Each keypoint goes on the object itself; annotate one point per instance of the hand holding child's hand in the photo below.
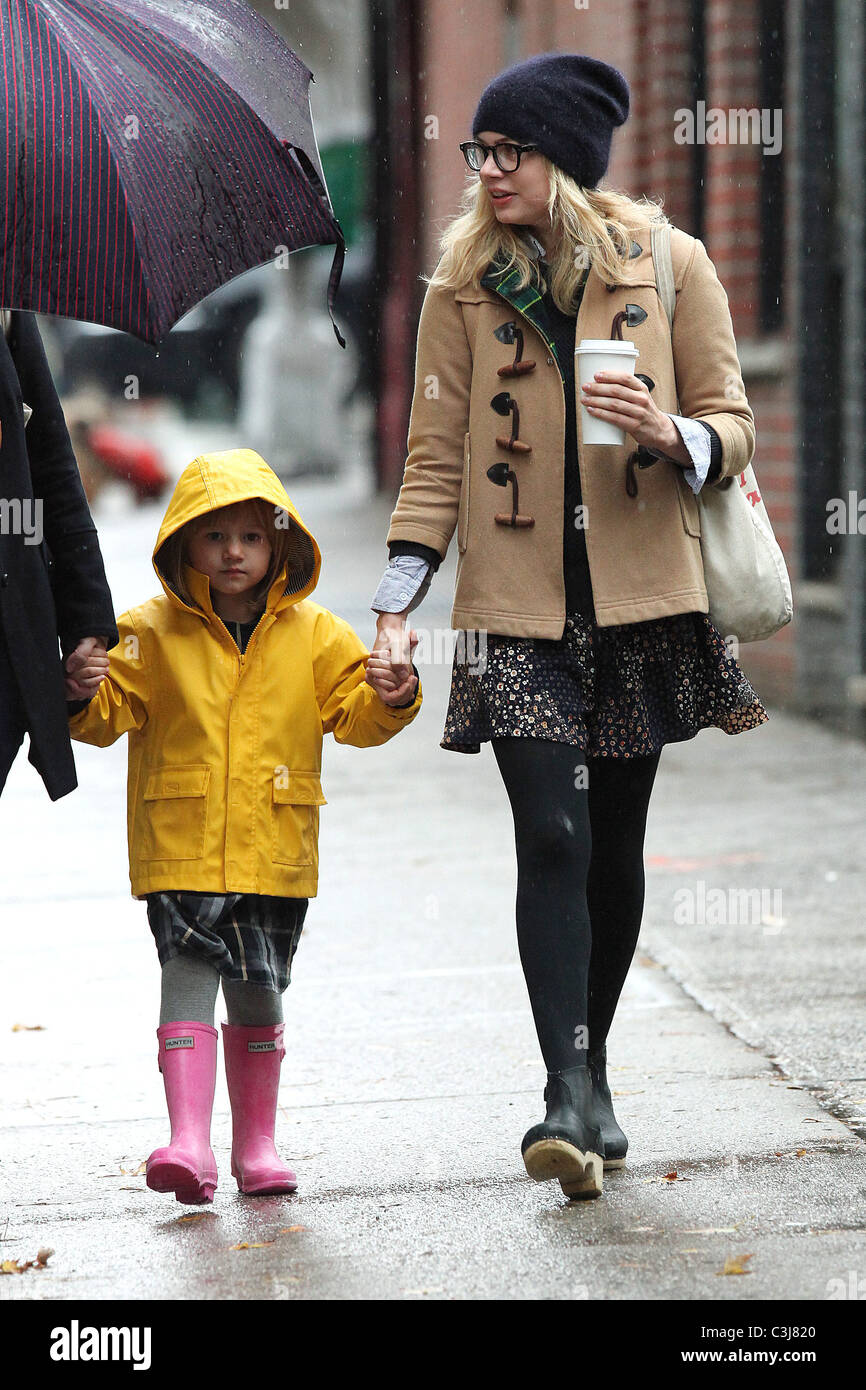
(86, 668)
(389, 668)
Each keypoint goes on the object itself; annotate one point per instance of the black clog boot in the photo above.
(567, 1144)
(615, 1142)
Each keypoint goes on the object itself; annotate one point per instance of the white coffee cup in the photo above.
(602, 355)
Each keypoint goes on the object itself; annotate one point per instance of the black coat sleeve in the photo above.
(715, 452)
(423, 552)
(81, 594)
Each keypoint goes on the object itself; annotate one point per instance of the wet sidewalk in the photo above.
(412, 1069)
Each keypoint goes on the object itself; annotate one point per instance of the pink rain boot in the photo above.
(253, 1057)
(187, 1060)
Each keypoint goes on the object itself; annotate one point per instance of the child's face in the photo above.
(232, 548)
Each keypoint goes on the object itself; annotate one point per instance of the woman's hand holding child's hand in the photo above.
(389, 667)
(86, 668)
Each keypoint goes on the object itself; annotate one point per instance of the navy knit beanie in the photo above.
(565, 103)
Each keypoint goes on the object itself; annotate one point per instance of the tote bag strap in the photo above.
(660, 246)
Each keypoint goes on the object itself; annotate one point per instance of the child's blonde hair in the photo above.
(588, 224)
(290, 547)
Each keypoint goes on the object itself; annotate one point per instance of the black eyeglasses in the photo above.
(505, 154)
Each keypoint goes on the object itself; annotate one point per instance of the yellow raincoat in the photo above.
(225, 750)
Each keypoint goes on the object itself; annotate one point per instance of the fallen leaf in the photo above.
(673, 1176)
(193, 1215)
(250, 1244)
(28, 1028)
(135, 1172)
(17, 1267)
(800, 1152)
(43, 1255)
(734, 1265)
(286, 1230)
(628, 1093)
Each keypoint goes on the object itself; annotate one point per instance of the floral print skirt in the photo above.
(616, 692)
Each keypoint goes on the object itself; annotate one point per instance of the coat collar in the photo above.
(528, 301)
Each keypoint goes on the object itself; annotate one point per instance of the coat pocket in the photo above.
(463, 509)
(297, 797)
(689, 509)
(175, 813)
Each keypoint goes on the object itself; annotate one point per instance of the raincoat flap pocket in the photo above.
(298, 788)
(171, 782)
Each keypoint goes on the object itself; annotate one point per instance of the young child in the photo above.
(225, 685)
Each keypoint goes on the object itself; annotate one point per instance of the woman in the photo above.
(583, 579)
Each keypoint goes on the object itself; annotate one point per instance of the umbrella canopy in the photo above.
(149, 155)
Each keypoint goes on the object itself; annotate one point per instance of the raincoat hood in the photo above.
(223, 479)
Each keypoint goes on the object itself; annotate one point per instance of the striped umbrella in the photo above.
(150, 152)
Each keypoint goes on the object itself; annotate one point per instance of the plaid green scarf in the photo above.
(528, 301)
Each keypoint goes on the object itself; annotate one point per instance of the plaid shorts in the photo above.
(245, 936)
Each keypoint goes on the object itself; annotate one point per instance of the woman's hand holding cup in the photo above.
(624, 401)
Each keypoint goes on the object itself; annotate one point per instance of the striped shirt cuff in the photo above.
(403, 585)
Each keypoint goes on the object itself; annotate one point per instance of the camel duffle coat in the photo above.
(643, 551)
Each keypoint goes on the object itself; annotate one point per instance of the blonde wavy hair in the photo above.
(589, 225)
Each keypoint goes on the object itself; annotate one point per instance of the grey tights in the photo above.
(189, 991)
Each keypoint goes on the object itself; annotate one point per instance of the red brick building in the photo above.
(722, 93)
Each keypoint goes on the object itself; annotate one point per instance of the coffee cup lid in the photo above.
(605, 345)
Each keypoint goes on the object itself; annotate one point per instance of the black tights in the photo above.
(579, 828)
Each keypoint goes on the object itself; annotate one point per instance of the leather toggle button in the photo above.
(630, 479)
(511, 333)
(502, 475)
(505, 404)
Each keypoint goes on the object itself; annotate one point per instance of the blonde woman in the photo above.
(579, 580)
